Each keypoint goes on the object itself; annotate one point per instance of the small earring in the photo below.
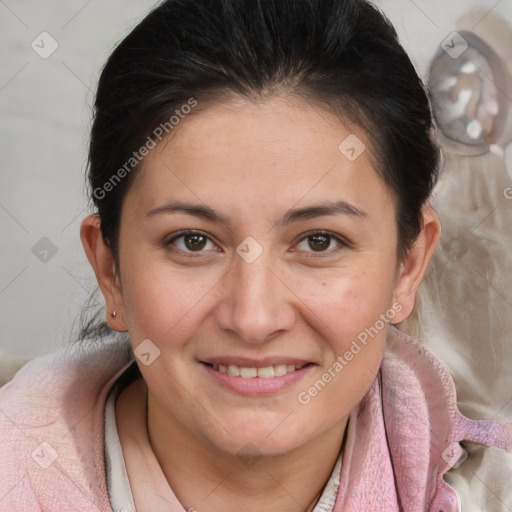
(113, 314)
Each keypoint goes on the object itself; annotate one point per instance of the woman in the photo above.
(261, 173)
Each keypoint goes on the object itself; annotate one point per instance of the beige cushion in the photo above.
(9, 365)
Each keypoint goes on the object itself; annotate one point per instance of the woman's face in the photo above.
(292, 263)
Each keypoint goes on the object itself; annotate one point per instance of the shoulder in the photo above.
(51, 427)
(60, 383)
(417, 384)
(424, 423)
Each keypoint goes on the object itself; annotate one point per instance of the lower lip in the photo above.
(257, 386)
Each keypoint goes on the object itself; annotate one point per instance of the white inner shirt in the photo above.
(118, 484)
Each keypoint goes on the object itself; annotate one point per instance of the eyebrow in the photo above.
(293, 215)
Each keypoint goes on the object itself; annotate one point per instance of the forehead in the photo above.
(262, 155)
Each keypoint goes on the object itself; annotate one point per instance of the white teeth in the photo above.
(234, 370)
(279, 369)
(263, 373)
(247, 373)
(267, 372)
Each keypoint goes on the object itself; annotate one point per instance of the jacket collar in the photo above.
(404, 435)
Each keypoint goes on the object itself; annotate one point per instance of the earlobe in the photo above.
(102, 261)
(414, 266)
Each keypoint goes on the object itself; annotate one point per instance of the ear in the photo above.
(102, 261)
(414, 266)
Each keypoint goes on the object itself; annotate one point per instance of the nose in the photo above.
(256, 303)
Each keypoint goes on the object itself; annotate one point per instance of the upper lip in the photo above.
(248, 362)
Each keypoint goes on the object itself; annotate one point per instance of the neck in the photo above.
(194, 468)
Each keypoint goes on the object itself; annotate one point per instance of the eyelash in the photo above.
(343, 244)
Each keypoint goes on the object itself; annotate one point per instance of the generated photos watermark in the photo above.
(159, 133)
(362, 339)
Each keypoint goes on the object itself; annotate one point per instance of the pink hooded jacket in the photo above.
(402, 437)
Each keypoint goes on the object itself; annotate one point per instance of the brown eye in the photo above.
(319, 242)
(322, 242)
(194, 242)
(188, 242)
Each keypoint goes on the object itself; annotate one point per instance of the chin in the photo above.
(264, 437)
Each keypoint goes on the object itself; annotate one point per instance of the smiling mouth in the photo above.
(267, 372)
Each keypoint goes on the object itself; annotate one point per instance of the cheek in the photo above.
(347, 302)
(161, 303)
(348, 312)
